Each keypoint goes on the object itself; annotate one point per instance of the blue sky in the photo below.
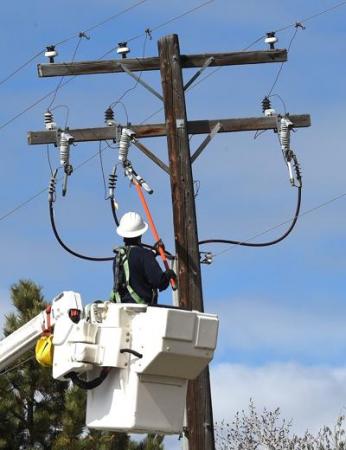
(282, 334)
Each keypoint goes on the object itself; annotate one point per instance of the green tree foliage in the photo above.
(38, 412)
(32, 402)
(267, 431)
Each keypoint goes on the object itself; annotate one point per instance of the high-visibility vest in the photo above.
(122, 268)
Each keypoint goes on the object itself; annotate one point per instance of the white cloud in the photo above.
(310, 396)
(312, 328)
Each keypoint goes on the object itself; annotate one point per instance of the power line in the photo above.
(193, 86)
(28, 108)
(62, 78)
(304, 213)
(282, 64)
(295, 24)
(172, 19)
(127, 91)
(307, 19)
(99, 24)
(159, 110)
(75, 35)
(42, 191)
(11, 75)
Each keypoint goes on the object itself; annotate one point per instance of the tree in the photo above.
(32, 403)
(38, 412)
(267, 431)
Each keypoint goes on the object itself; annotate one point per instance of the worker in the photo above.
(137, 274)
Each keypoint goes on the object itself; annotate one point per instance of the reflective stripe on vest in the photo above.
(124, 261)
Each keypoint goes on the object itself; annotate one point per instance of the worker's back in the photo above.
(145, 275)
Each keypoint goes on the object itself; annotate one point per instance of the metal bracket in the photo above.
(206, 258)
(143, 83)
(150, 155)
(199, 72)
(206, 141)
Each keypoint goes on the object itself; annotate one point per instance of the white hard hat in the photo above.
(131, 225)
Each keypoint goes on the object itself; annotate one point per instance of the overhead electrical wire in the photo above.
(276, 80)
(42, 191)
(28, 108)
(79, 255)
(137, 36)
(68, 249)
(302, 214)
(246, 243)
(22, 66)
(103, 22)
(127, 91)
(295, 24)
(75, 35)
(30, 199)
(59, 85)
(313, 16)
(173, 19)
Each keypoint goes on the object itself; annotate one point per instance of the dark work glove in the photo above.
(158, 245)
(171, 274)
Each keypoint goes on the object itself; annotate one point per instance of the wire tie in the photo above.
(300, 25)
(82, 34)
(148, 32)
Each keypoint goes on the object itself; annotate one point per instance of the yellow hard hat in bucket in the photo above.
(44, 351)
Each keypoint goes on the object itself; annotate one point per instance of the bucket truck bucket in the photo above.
(165, 348)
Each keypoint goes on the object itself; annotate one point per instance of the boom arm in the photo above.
(24, 339)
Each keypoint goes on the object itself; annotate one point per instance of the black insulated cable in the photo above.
(261, 244)
(64, 246)
(51, 199)
(114, 212)
(88, 385)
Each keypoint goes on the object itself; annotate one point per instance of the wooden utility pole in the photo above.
(199, 409)
(170, 62)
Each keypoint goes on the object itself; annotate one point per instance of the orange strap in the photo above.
(152, 227)
(48, 329)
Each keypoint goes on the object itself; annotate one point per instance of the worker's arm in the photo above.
(154, 274)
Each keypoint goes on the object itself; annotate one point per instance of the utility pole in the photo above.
(170, 62)
(199, 408)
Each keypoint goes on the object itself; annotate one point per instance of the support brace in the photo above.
(206, 141)
(140, 81)
(199, 72)
(150, 155)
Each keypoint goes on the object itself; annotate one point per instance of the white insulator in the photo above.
(123, 49)
(64, 145)
(124, 143)
(285, 127)
(49, 121)
(271, 40)
(51, 53)
(270, 112)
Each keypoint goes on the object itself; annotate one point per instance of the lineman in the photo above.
(137, 274)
